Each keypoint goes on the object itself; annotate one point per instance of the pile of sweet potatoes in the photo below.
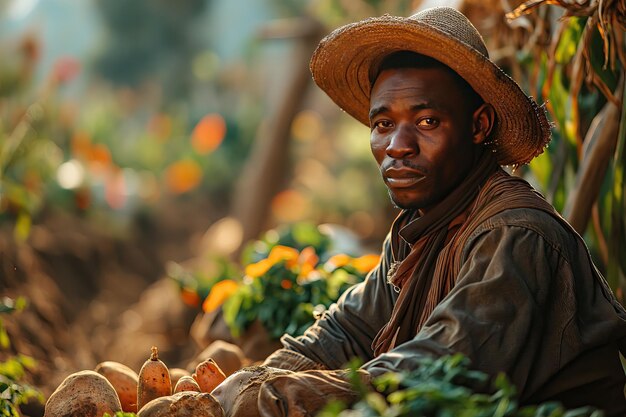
(153, 392)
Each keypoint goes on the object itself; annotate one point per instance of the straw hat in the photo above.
(346, 60)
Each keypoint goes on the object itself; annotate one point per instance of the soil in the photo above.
(96, 293)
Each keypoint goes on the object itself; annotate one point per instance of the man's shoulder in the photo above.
(554, 230)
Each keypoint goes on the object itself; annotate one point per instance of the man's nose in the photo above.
(402, 142)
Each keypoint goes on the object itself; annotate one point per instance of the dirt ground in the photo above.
(96, 296)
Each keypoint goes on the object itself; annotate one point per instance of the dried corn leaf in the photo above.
(574, 8)
(525, 8)
(616, 271)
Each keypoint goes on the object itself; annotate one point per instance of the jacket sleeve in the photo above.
(500, 313)
(347, 329)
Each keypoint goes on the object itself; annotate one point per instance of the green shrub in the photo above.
(13, 391)
(444, 387)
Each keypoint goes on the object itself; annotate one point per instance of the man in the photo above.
(477, 262)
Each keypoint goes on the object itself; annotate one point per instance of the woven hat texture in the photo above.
(346, 60)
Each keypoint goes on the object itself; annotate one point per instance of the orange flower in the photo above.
(190, 297)
(183, 176)
(284, 253)
(100, 155)
(258, 269)
(286, 284)
(277, 254)
(312, 275)
(337, 261)
(305, 270)
(307, 260)
(365, 263)
(308, 257)
(208, 133)
(220, 292)
(81, 145)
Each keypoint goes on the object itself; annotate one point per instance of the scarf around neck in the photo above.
(436, 239)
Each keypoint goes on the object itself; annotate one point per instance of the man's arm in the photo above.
(347, 329)
(506, 312)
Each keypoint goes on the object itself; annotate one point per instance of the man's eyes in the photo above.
(422, 123)
(428, 122)
(382, 124)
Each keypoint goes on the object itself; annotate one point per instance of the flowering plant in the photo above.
(196, 281)
(288, 287)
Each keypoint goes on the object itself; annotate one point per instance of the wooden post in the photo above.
(266, 170)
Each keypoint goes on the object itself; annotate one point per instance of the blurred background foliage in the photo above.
(191, 128)
(147, 101)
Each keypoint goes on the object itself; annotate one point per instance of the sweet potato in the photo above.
(154, 380)
(124, 380)
(208, 375)
(187, 383)
(177, 373)
(83, 394)
(229, 356)
(183, 404)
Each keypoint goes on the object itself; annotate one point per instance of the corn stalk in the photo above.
(585, 63)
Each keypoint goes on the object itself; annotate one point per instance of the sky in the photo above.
(72, 27)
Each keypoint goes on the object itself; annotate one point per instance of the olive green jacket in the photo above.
(527, 301)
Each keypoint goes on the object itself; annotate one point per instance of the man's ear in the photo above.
(484, 119)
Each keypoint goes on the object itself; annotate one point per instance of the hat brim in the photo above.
(343, 63)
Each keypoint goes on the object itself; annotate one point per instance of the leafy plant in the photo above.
(28, 158)
(287, 290)
(13, 391)
(196, 282)
(444, 387)
(295, 235)
(285, 287)
(8, 305)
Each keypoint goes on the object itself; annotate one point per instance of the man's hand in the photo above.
(263, 391)
(239, 392)
(304, 394)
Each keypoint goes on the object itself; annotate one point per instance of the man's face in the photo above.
(421, 134)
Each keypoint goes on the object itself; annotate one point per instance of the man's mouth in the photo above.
(404, 182)
(402, 178)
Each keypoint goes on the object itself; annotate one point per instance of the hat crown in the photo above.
(455, 24)
(344, 61)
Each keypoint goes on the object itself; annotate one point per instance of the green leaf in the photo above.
(307, 234)
(376, 401)
(541, 168)
(429, 390)
(237, 312)
(5, 343)
(568, 43)
(7, 305)
(616, 268)
(20, 303)
(22, 226)
(12, 369)
(27, 361)
(332, 409)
